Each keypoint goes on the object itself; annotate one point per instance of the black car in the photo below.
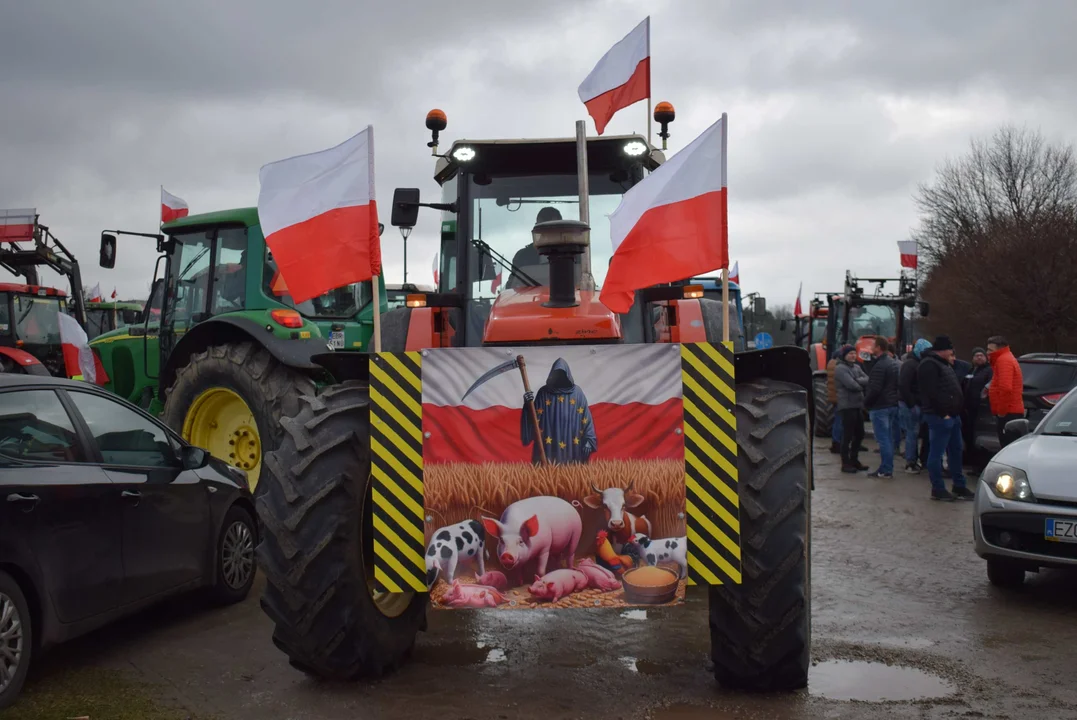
(103, 511)
(1047, 378)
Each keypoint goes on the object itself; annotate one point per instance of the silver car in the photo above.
(1026, 505)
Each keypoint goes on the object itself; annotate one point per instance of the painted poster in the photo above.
(554, 476)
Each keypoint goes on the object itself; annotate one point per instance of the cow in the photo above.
(615, 503)
(673, 550)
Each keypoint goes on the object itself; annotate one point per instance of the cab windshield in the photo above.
(5, 313)
(37, 319)
(879, 320)
(340, 303)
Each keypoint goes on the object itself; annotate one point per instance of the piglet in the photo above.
(557, 584)
(472, 596)
(598, 576)
(494, 579)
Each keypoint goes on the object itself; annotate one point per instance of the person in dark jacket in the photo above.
(881, 402)
(851, 380)
(941, 402)
(974, 382)
(909, 408)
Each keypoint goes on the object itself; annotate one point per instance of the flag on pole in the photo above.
(672, 225)
(17, 225)
(734, 274)
(80, 362)
(496, 282)
(435, 267)
(113, 293)
(95, 293)
(172, 207)
(908, 251)
(796, 308)
(622, 77)
(320, 219)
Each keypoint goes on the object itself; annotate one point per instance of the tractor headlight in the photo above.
(635, 148)
(1007, 482)
(463, 154)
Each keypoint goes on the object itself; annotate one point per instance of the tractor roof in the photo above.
(241, 216)
(31, 289)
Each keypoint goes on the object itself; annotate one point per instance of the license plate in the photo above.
(1061, 530)
(336, 340)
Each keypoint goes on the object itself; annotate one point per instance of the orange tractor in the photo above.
(513, 444)
(855, 318)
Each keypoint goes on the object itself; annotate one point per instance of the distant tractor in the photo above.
(853, 318)
(222, 351)
(404, 485)
(103, 317)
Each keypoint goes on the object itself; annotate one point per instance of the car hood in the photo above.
(1048, 460)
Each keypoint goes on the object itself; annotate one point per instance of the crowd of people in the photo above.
(929, 399)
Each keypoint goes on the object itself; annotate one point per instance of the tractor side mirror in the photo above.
(923, 307)
(108, 251)
(405, 207)
(759, 306)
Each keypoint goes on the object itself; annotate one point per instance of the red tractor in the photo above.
(514, 444)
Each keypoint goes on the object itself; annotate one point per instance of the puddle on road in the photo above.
(644, 667)
(634, 614)
(496, 655)
(873, 682)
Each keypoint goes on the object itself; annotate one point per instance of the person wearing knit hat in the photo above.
(974, 382)
(909, 414)
(942, 402)
(850, 380)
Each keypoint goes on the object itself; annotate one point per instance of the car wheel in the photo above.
(235, 557)
(1005, 573)
(16, 639)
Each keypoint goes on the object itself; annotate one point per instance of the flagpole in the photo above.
(725, 231)
(377, 314)
(649, 93)
(725, 304)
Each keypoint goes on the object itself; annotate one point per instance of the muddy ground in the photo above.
(895, 582)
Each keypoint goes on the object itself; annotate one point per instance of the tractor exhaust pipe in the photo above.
(587, 281)
(562, 241)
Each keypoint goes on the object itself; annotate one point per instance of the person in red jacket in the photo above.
(1007, 384)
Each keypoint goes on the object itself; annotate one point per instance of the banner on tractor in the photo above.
(562, 476)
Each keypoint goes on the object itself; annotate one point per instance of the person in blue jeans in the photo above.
(941, 401)
(881, 402)
(909, 408)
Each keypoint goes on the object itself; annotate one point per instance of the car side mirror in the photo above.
(923, 307)
(108, 251)
(193, 458)
(405, 207)
(1015, 429)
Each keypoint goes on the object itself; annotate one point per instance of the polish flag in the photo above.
(633, 396)
(436, 268)
(17, 225)
(95, 293)
(621, 78)
(496, 282)
(80, 362)
(319, 217)
(907, 248)
(113, 293)
(673, 224)
(796, 308)
(734, 274)
(172, 207)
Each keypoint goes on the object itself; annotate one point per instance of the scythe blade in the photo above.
(504, 367)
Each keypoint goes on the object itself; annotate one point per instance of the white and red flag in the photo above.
(95, 293)
(172, 207)
(797, 308)
(80, 362)
(734, 274)
(622, 77)
(496, 282)
(113, 293)
(17, 225)
(435, 267)
(672, 225)
(908, 251)
(319, 217)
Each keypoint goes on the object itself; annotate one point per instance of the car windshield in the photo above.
(1047, 375)
(1063, 419)
(37, 319)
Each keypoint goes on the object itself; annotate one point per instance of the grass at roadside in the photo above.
(96, 693)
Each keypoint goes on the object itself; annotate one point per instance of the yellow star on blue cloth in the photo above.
(560, 398)
(561, 444)
(549, 440)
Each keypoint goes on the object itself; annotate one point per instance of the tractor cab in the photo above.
(103, 317)
(30, 321)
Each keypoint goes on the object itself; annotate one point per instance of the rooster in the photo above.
(608, 558)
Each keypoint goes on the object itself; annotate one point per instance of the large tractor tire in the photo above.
(230, 399)
(317, 548)
(761, 629)
(824, 410)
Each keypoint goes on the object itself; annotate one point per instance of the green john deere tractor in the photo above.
(103, 317)
(222, 351)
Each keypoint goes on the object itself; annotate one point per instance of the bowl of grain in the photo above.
(650, 585)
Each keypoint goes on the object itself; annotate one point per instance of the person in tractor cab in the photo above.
(528, 260)
(564, 417)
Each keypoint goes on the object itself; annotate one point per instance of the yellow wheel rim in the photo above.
(390, 605)
(220, 421)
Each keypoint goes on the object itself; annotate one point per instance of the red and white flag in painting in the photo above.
(621, 78)
(17, 225)
(435, 267)
(319, 217)
(632, 393)
(172, 207)
(907, 248)
(80, 362)
(796, 308)
(673, 224)
(734, 274)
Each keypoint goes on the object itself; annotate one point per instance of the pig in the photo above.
(472, 596)
(598, 576)
(463, 542)
(536, 528)
(494, 579)
(557, 584)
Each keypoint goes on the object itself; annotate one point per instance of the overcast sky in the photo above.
(836, 109)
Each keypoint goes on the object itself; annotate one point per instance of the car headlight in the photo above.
(1008, 482)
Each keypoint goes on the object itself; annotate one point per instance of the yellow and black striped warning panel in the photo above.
(396, 447)
(712, 505)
